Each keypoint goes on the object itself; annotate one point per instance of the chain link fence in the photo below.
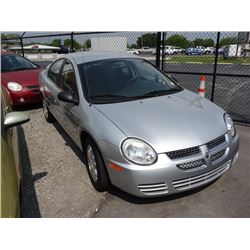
(223, 57)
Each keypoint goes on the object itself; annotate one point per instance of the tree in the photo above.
(178, 40)
(3, 36)
(198, 42)
(12, 35)
(228, 41)
(56, 43)
(76, 45)
(133, 46)
(147, 40)
(203, 42)
(87, 44)
(208, 42)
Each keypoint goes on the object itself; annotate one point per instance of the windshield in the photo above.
(15, 63)
(116, 80)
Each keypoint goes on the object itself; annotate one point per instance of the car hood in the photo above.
(24, 77)
(170, 122)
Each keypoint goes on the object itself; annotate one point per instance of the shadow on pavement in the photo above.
(30, 206)
(69, 142)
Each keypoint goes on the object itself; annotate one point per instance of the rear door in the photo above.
(53, 86)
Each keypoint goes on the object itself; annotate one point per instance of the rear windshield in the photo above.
(121, 79)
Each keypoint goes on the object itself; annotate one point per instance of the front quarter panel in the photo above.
(105, 133)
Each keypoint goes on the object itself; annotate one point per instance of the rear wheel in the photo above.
(95, 166)
(47, 114)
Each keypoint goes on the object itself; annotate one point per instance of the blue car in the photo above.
(194, 51)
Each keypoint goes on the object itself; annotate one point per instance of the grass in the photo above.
(207, 59)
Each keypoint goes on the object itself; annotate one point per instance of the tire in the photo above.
(47, 114)
(95, 166)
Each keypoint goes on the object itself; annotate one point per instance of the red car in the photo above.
(20, 77)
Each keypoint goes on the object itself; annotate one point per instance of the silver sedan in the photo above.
(138, 129)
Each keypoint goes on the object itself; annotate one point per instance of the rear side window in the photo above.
(54, 71)
(68, 79)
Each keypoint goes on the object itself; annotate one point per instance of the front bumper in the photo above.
(165, 178)
(26, 96)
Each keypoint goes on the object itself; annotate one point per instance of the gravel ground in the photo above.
(56, 183)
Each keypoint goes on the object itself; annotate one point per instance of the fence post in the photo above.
(215, 64)
(158, 49)
(162, 51)
(21, 43)
(72, 42)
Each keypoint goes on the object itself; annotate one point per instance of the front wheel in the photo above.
(95, 167)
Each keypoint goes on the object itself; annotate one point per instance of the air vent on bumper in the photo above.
(153, 189)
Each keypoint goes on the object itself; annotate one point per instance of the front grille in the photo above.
(217, 155)
(183, 152)
(152, 189)
(33, 87)
(200, 179)
(216, 142)
(191, 164)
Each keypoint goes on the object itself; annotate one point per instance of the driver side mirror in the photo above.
(66, 96)
(15, 118)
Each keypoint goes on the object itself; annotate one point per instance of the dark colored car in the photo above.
(20, 77)
(194, 51)
(62, 50)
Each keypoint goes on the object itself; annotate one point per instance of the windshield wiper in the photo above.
(161, 92)
(109, 96)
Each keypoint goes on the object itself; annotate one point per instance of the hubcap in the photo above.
(45, 110)
(92, 163)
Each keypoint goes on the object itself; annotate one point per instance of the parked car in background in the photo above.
(220, 51)
(20, 77)
(133, 51)
(194, 51)
(62, 50)
(10, 157)
(137, 128)
(178, 50)
(209, 50)
(145, 50)
(169, 50)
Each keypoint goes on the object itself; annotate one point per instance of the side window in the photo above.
(68, 79)
(54, 71)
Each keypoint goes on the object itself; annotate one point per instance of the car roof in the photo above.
(89, 56)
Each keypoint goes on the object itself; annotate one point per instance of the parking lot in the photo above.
(56, 184)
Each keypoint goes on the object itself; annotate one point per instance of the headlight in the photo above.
(230, 124)
(138, 152)
(14, 86)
